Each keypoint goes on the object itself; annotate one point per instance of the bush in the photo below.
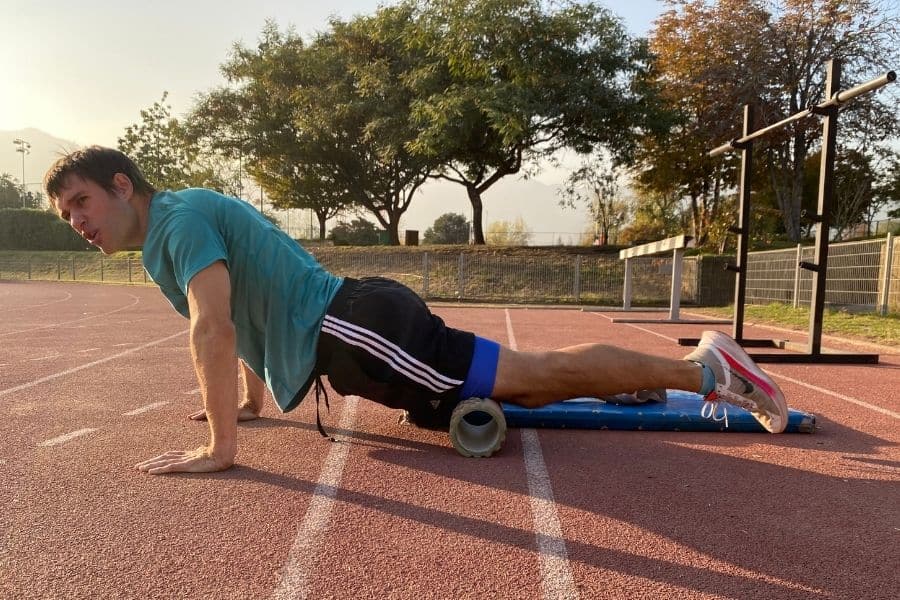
(449, 228)
(357, 233)
(27, 229)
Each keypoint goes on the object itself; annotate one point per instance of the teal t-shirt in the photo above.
(279, 293)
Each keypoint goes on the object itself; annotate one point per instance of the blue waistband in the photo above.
(483, 370)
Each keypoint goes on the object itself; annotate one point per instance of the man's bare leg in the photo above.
(533, 379)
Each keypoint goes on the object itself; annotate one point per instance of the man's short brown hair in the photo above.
(97, 164)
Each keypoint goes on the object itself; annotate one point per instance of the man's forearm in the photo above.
(213, 351)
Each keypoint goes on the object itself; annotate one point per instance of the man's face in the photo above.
(105, 219)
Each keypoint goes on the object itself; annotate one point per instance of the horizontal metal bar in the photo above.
(826, 358)
(808, 266)
(722, 150)
(746, 343)
(735, 144)
(839, 98)
(847, 95)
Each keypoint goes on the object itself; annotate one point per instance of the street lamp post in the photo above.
(24, 148)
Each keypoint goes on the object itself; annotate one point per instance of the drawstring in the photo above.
(321, 387)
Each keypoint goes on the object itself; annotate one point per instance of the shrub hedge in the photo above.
(28, 229)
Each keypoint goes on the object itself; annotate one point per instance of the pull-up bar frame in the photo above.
(828, 110)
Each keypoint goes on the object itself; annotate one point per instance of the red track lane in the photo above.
(642, 514)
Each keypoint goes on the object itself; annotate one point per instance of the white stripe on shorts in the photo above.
(390, 353)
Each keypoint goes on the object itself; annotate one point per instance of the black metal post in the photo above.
(823, 216)
(743, 228)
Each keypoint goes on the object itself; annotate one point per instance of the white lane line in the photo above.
(68, 295)
(815, 388)
(509, 332)
(66, 437)
(192, 392)
(136, 300)
(30, 384)
(665, 337)
(296, 576)
(143, 409)
(556, 573)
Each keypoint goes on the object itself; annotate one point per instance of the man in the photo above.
(253, 293)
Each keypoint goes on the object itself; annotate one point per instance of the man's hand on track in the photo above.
(200, 460)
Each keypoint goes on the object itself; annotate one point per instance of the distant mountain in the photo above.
(45, 149)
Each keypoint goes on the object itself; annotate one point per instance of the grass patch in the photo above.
(836, 322)
(88, 266)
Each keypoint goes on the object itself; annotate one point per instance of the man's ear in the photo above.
(123, 185)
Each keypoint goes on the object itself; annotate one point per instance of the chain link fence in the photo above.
(861, 275)
(74, 266)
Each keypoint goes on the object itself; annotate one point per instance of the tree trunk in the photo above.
(695, 216)
(477, 207)
(796, 198)
(393, 228)
(322, 218)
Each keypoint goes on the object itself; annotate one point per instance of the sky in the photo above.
(82, 71)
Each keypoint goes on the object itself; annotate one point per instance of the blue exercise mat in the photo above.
(680, 413)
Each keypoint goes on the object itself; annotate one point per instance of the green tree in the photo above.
(14, 195)
(656, 215)
(256, 122)
(514, 81)
(595, 184)
(296, 185)
(159, 145)
(888, 188)
(327, 123)
(449, 228)
(358, 232)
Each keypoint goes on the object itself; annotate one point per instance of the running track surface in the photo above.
(94, 379)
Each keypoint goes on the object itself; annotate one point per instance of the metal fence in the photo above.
(860, 275)
(80, 266)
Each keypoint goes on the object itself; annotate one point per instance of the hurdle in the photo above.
(677, 246)
(828, 111)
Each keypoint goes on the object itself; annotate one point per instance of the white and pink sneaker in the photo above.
(739, 381)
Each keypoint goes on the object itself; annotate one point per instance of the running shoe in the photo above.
(739, 381)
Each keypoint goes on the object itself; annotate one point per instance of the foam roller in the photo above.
(477, 427)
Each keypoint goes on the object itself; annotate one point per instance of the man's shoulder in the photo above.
(169, 209)
(186, 199)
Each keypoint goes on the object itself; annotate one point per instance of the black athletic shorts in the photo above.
(380, 341)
